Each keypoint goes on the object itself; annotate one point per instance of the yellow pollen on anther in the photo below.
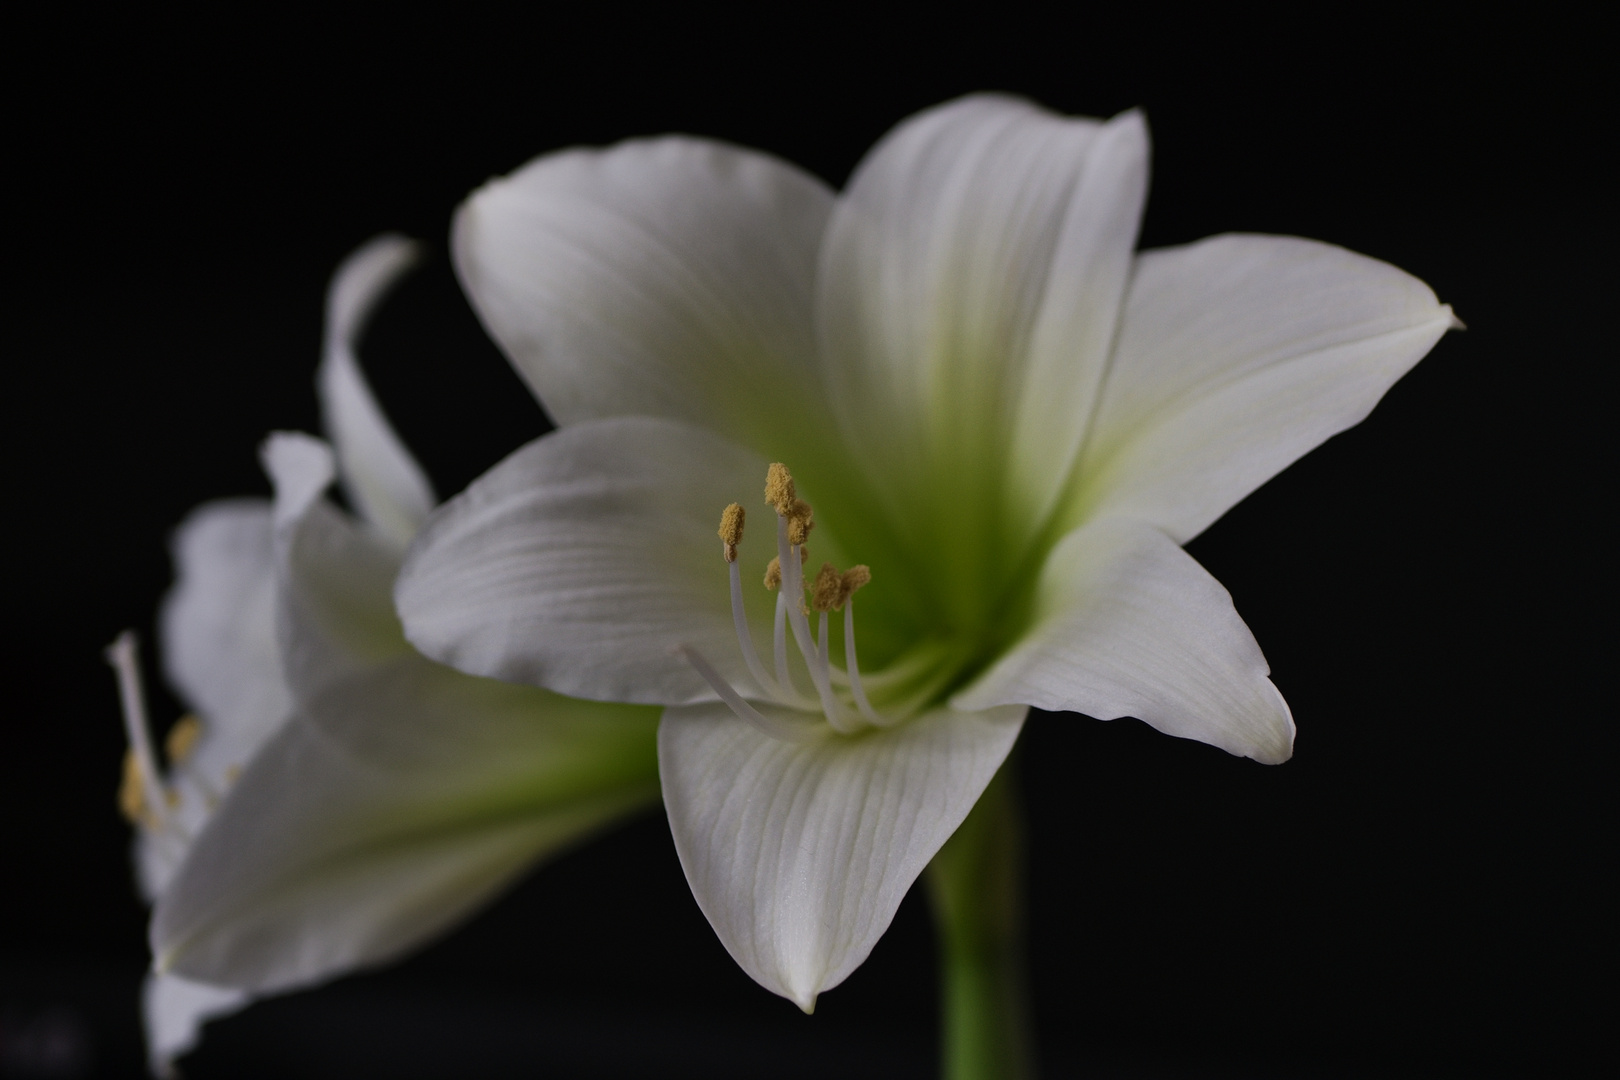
(827, 594)
(731, 530)
(853, 579)
(773, 574)
(182, 738)
(132, 791)
(779, 488)
(799, 522)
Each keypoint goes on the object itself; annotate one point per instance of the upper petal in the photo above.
(1127, 624)
(664, 277)
(1236, 356)
(969, 288)
(800, 853)
(382, 480)
(582, 560)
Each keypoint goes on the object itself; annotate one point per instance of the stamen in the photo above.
(731, 530)
(770, 725)
(779, 641)
(871, 715)
(793, 586)
(745, 639)
(827, 594)
(182, 739)
(132, 793)
(121, 655)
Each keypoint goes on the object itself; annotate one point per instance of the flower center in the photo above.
(839, 694)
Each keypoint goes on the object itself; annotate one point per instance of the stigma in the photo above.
(836, 693)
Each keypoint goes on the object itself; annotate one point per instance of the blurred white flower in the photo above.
(337, 799)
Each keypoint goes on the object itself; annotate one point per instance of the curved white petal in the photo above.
(968, 292)
(218, 631)
(1128, 624)
(664, 277)
(175, 1010)
(381, 478)
(800, 853)
(335, 579)
(403, 800)
(580, 562)
(1237, 355)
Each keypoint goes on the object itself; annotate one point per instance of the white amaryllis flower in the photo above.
(990, 400)
(337, 798)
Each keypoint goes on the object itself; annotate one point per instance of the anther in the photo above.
(182, 738)
(827, 594)
(731, 530)
(779, 488)
(799, 522)
(854, 578)
(773, 573)
(132, 791)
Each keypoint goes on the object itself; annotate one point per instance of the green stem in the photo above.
(976, 886)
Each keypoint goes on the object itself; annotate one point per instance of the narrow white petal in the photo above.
(407, 798)
(969, 287)
(382, 480)
(664, 277)
(218, 631)
(175, 1010)
(1127, 624)
(1237, 355)
(580, 562)
(800, 853)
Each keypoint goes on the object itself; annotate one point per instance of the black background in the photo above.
(1413, 895)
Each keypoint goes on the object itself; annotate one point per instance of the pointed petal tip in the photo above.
(807, 1003)
(1454, 322)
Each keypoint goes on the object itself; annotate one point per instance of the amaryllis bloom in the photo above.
(337, 799)
(960, 388)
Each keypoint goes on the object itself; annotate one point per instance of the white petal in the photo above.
(968, 293)
(1127, 624)
(219, 634)
(382, 480)
(1237, 355)
(175, 1010)
(335, 579)
(799, 853)
(582, 560)
(407, 799)
(664, 277)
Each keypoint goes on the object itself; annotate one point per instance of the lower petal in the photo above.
(1128, 624)
(799, 853)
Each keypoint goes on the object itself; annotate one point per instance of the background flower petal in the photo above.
(1128, 624)
(398, 804)
(380, 477)
(968, 290)
(1236, 356)
(218, 632)
(175, 1010)
(799, 853)
(582, 560)
(664, 277)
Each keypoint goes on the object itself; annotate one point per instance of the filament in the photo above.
(121, 655)
(772, 726)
